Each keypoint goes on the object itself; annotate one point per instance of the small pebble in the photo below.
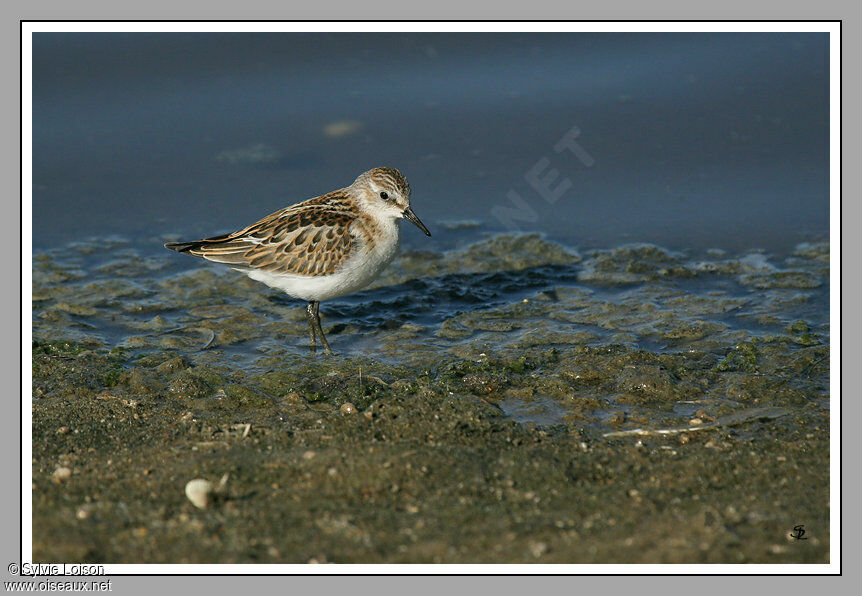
(348, 408)
(537, 549)
(293, 398)
(703, 415)
(309, 455)
(617, 418)
(62, 473)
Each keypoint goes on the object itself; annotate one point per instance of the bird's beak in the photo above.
(411, 217)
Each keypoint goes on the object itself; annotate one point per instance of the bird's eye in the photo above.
(384, 195)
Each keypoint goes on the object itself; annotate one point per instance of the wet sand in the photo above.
(510, 401)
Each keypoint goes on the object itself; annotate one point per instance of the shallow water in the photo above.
(493, 303)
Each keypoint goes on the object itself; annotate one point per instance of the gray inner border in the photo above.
(14, 11)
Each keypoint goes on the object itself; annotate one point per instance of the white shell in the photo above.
(200, 492)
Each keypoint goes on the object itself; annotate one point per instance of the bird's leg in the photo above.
(319, 329)
(310, 315)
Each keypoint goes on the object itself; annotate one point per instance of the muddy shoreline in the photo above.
(491, 389)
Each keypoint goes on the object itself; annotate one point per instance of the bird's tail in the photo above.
(183, 246)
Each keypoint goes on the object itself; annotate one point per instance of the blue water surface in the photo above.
(688, 141)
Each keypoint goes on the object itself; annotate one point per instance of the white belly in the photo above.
(356, 273)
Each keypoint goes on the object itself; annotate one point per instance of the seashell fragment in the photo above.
(202, 492)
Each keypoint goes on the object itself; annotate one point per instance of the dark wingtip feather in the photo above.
(181, 246)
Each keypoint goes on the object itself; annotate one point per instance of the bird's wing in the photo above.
(311, 238)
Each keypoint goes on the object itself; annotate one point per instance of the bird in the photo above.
(323, 247)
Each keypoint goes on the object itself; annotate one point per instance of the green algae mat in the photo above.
(509, 401)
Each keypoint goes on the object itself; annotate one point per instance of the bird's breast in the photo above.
(376, 244)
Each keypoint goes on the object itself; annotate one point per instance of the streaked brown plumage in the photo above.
(324, 247)
(310, 238)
